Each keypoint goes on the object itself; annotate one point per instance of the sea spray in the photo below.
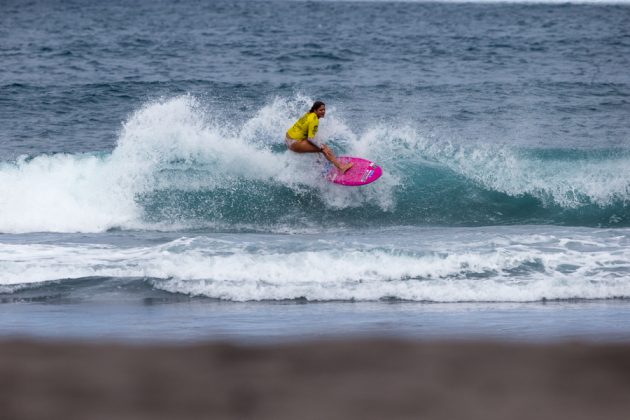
(64, 193)
(180, 164)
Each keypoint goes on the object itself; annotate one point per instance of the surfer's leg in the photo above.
(307, 147)
(301, 146)
(343, 167)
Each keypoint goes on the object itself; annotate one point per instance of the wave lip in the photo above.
(63, 193)
(179, 165)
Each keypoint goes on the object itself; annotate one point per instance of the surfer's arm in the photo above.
(333, 159)
(322, 149)
(314, 143)
(326, 151)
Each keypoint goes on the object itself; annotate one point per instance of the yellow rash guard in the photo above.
(305, 127)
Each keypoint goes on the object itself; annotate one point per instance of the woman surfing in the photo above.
(301, 136)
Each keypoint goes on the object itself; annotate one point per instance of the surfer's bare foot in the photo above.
(344, 168)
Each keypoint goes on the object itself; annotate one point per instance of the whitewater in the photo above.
(175, 167)
(269, 214)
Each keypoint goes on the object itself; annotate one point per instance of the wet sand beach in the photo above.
(325, 379)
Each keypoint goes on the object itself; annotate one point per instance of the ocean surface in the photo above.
(146, 191)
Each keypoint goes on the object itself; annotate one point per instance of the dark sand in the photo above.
(354, 379)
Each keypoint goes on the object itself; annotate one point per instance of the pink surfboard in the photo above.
(362, 172)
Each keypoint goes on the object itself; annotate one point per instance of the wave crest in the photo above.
(179, 164)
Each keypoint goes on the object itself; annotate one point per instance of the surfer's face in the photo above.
(321, 111)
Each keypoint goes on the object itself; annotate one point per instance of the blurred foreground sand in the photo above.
(351, 379)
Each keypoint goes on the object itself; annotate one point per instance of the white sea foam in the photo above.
(423, 266)
(567, 183)
(561, 181)
(93, 193)
(179, 144)
(64, 193)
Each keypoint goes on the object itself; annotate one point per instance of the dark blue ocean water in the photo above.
(141, 158)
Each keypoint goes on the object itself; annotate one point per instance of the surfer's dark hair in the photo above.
(316, 106)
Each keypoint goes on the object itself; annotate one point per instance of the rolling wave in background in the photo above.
(178, 165)
(505, 264)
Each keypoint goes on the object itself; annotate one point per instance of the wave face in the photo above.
(178, 164)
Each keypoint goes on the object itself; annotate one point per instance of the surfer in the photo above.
(301, 137)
